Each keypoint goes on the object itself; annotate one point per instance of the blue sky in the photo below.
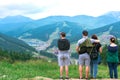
(36, 9)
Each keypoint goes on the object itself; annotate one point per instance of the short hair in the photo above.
(63, 34)
(112, 39)
(85, 33)
(94, 36)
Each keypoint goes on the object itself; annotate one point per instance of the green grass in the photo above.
(32, 68)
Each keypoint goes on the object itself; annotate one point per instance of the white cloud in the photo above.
(42, 8)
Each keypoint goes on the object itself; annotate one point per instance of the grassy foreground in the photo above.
(32, 68)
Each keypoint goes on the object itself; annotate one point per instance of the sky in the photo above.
(37, 9)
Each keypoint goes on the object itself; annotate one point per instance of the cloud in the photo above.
(23, 7)
(42, 8)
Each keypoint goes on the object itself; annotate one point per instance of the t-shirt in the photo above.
(112, 49)
(112, 54)
(81, 41)
(98, 45)
(63, 44)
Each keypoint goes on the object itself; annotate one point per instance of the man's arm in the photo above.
(100, 49)
(77, 49)
(93, 40)
(78, 44)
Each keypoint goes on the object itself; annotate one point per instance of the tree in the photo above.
(104, 55)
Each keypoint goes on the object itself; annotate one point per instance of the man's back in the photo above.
(84, 45)
(63, 44)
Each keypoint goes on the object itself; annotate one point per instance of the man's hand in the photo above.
(77, 49)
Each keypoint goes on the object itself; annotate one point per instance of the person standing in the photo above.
(63, 54)
(112, 58)
(94, 62)
(84, 58)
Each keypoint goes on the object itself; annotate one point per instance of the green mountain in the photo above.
(104, 33)
(114, 14)
(13, 44)
(87, 22)
(44, 32)
(46, 36)
(16, 25)
(112, 29)
(15, 19)
(11, 23)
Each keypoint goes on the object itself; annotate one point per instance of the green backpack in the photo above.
(85, 47)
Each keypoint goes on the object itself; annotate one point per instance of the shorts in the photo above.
(63, 58)
(84, 59)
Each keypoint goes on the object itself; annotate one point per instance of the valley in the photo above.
(42, 34)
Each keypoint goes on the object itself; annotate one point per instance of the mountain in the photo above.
(107, 18)
(6, 27)
(15, 19)
(50, 33)
(114, 14)
(86, 22)
(11, 23)
(113, 29)
(31, 25)
(46, 36)
(13, 44)
(107, 31)
(44, 32)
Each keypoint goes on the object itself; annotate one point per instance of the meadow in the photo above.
(32, 68)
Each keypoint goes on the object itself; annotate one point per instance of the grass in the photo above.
(33, 68)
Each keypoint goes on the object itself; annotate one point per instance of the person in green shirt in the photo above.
(112, 58)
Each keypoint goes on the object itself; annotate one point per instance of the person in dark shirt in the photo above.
(63, 54)
(112, 58)
(94, 63)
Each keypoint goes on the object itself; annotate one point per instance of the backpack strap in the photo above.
(88, 43)
(92, 49)
(83, 44)
(82, 47)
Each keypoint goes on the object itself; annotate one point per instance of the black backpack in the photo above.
(63, 44)
(94, 53)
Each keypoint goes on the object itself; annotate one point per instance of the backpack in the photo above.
(94, 53)
(85, 47)
(63, 44)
